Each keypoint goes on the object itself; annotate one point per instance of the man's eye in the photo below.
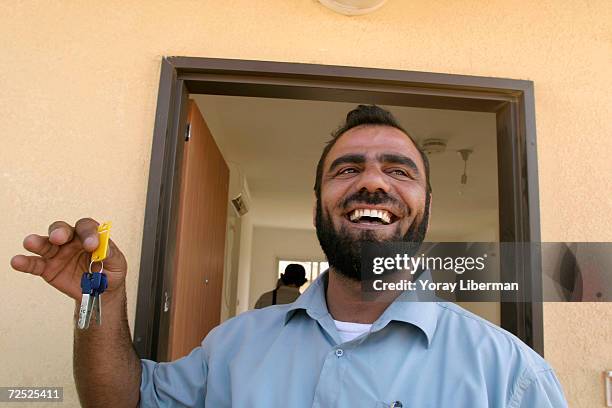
(399, 172)
(348, 170)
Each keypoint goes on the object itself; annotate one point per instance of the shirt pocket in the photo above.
(382, 404)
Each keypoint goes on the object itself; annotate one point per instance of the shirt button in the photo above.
(339, 353)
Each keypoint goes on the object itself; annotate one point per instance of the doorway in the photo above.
(506, 104)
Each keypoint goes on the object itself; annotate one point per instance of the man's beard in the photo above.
(343, 251)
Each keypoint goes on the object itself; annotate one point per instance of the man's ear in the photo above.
(429, 209)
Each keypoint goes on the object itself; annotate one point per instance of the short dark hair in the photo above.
(295, 274)
(365, 115)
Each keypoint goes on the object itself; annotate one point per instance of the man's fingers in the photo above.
(87, 231)
(40, 245)
(114, 258)
(28, 264)
(60, 232)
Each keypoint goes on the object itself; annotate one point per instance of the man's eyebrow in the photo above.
(347, 158)
(399, 159)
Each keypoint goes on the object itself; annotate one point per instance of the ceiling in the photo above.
(277, 142)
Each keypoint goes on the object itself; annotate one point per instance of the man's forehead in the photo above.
(369, 140)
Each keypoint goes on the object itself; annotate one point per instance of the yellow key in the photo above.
(103, 235)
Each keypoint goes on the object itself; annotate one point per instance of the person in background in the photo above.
(287, 287)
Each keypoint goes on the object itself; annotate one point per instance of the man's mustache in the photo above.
(378, 197)
(369, 198)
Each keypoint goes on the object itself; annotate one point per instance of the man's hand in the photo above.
(107, 370)
(63, 256)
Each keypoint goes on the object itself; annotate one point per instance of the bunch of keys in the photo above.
(93, 284)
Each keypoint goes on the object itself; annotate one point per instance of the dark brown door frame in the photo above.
(511, 100)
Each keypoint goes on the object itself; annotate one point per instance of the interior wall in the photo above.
(271, 244)
(243, 285)
(230, 266)
(79, 87)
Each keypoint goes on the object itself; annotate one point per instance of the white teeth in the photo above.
(386, 217)
(383, 215)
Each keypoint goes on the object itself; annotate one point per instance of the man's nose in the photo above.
(373, 180)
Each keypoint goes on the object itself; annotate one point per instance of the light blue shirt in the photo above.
(422, 354)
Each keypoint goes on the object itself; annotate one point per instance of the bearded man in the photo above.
(331, 347)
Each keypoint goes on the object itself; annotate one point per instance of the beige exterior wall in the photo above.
(78, 92)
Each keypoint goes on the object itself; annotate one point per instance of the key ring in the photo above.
(101, 266)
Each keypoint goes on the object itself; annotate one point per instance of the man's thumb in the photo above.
(115, 261)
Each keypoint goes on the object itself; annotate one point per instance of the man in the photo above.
(287, 288)
(330, 348)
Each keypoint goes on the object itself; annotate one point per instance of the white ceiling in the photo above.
(277, 143)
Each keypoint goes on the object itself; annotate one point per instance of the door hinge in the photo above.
(188, 132)
(166, 302)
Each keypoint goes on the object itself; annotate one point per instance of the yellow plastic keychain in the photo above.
(103, 235)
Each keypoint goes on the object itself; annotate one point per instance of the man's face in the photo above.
(373, 189)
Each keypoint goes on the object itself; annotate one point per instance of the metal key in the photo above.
(93, 284)
(99, 284)
(97, 308)
(87, 300)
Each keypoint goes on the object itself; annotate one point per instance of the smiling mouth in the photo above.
(371, 216)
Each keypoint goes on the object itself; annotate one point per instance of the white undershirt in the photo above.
(348, 330)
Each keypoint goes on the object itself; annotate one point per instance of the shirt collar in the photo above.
(418, 309)
(312, 300)
(406, 308)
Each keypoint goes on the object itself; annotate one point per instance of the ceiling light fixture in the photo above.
(353, 7)
(433, 145)
(465, 154)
